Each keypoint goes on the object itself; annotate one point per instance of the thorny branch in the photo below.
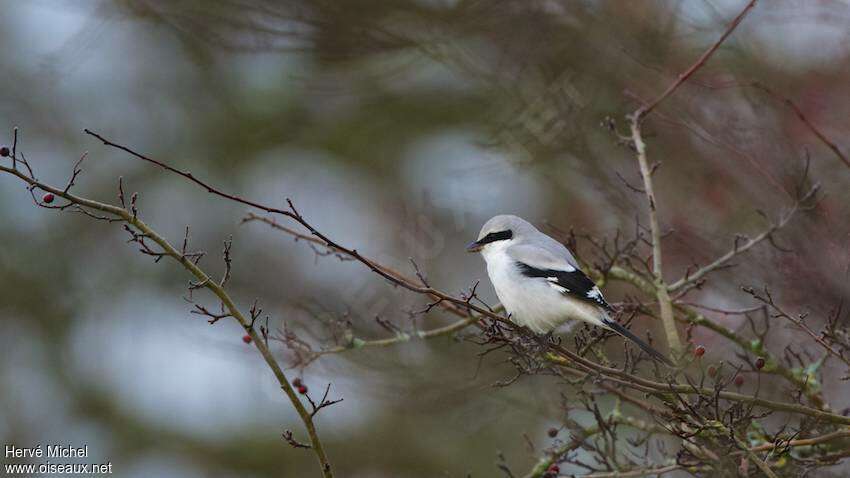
(645, 110)
(662, 294)
(462, 306)
(470, 313)
(714, 426)
(739, 249)
(803, 118)
(799, 320)
(447, 329)
(141, 233)
(692, 412)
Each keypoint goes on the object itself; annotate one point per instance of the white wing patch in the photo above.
(574, 283)
(553, 281)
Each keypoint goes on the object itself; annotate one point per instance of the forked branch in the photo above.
(131, 219)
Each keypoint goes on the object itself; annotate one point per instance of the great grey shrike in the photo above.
(539, 282)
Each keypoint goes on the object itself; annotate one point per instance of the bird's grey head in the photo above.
(501, 230)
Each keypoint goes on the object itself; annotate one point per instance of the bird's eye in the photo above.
(497, 236)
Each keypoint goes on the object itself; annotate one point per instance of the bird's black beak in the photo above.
(474, 246)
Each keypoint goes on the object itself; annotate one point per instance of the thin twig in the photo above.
(802, 117)
(581, 365)
(721, 261)
(635, 119)
(644, 111)
(640, 472)
(131, 219)
(464, 308)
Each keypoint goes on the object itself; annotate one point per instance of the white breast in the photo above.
(533, 302)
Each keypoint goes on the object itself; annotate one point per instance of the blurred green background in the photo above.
(397, 127)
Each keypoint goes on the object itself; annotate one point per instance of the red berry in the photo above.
(739, 380)
(4, 151)
(699, 351)
(48, 198)
(302, 389)
(712, 371)
(246, 339)
(759, 363)
(552, 432)
(553, 468)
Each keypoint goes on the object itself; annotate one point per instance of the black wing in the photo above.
(576, 284)
(573, 283)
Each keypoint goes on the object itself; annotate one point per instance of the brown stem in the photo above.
(802, 117)
(661, 293)
(544, 463)
(205, 281)
(843, 433)
(579, 364)
(464, 308)
(736, 250)
(683, 77)
(641, 472)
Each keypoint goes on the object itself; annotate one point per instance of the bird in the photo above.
(540, 283)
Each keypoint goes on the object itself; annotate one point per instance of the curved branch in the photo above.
(736, 250)
(580, 365)
(664, 303)
(683, 77)
(802, 117)
(691, 316)
(207, 282)
(642, 472)
(357, 343)
(465, 308)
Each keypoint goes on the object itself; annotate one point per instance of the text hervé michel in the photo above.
(48, 451)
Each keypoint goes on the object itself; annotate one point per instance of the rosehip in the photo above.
(552, 432)
(246, 339)
(759, 363)
(302, 389)
(48, 198)
(699, 351)
(4, 151)
(739, 380)
(712, 371)
(554, 469)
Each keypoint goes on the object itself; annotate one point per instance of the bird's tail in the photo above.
(617, 327)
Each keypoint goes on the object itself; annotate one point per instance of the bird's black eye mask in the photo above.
(492, 237)
(496, 236)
